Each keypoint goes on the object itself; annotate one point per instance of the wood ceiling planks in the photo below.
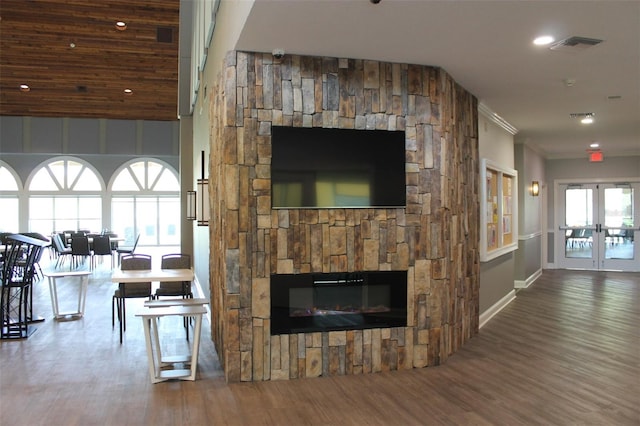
(88, 80)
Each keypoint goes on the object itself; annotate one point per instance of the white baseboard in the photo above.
(526, 283)
(497, 307)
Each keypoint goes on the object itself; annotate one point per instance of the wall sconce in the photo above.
(202, 189)
(191, 205)
(535, 188)
(198, 200)
(202, 212)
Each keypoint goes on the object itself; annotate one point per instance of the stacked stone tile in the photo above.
(435, 238)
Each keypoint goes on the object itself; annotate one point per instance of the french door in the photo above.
(599, 225)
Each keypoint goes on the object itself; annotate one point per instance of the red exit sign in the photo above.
(596, 156)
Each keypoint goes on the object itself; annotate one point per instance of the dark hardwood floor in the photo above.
(565, 352)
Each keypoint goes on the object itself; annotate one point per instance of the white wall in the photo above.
(230, 19)
(496, 276)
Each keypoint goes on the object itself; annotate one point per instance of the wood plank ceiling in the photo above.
(77, 64)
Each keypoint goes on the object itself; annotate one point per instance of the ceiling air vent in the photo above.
(574, 43)
(582, 115)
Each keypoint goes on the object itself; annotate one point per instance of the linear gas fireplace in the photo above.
(302, 303)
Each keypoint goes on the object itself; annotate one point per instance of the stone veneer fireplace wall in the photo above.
(435, 238)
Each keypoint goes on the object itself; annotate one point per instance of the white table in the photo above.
(165, 303)
(145, 275)
(156, 361)
(82, 293)
(120, 276)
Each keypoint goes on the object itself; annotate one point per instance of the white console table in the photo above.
(165, 303)
(82, 293)
(154, 353)
(133, 276)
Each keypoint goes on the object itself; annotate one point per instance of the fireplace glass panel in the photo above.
(344, 301)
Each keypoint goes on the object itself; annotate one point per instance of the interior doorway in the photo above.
(598, 226)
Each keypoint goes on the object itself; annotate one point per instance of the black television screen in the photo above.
(324, 168)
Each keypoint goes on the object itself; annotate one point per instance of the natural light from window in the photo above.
(9, 201)
(65, 195)
(146, 202)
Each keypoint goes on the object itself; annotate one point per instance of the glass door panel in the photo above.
(599, 226)
(619, 226)
(578, 226)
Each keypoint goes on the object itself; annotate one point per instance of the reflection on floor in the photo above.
(584, 250)
(564, 352)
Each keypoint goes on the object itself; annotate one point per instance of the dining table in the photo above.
(111, 239)
(158, 365)
(157, 275)
(162, 368)
(53, 276)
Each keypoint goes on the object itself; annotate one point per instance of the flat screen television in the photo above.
(337, 168)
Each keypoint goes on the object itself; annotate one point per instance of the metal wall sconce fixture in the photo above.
(191, 205)
(535, 188)
(198, 200)
(202, 188)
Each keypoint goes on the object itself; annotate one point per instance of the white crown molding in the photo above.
(495, 118)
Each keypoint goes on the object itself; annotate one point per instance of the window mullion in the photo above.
(155, 181)
(75, 181)
(53, 177)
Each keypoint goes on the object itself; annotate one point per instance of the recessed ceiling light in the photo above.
(543, 40)
(25, 88)
(594, 145)
(587, 120)
(120, 25)
(128, 92)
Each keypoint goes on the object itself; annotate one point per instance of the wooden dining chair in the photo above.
(131, 262)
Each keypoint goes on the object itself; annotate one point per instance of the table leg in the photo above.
(196, 347)
(156, 342)
(54, 296)
(82, 297)
(146, 322)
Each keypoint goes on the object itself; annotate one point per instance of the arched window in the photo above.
(65, 194)
(146, 201)
(9, 199)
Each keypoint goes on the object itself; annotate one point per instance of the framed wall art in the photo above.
(499, 210)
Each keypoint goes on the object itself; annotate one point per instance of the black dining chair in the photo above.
(61, 250)
(17, 274)
(101, 247)
(80, 249)
(127, 250)
(179, 288)
(36, 265)
(131, 262)
(114, 241)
